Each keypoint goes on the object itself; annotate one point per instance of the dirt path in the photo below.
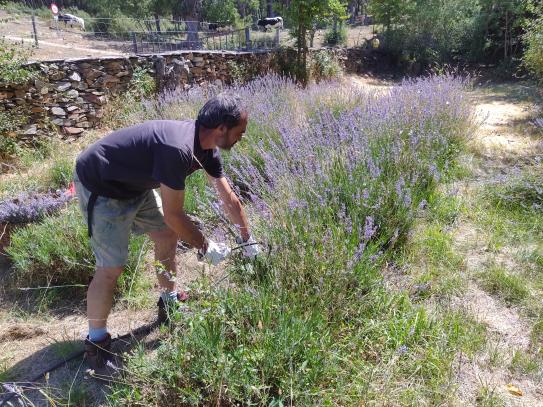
(503, 146)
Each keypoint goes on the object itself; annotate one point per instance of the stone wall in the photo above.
(71, 94)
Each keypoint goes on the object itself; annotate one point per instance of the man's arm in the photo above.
(175, 217)
(232, 205)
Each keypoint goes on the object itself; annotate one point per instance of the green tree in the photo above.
(390, 12)
(533, 40)
(220, 10)
(498, 29)
(304, 14)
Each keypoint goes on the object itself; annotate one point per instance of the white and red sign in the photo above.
(54, 9)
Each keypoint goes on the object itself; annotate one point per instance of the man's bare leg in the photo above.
(165, 248)
(100, 297)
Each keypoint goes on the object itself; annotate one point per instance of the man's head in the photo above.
(226, 118)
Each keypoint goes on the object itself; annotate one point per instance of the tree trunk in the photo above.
(157, 22)
(270, 8)
(189, 11)
(304, 56)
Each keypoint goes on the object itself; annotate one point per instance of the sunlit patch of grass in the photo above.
(510, 288)
(510, 218)
(435, 266)
(49, 166)
(488, 397)
(525, 363)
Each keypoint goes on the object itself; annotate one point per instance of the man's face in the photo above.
(233, 135)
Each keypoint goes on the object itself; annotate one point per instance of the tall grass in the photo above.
(333, 177)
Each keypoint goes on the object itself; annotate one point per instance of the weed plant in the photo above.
(324, 67)
(332, 177)
(336, 36)
(56, 251)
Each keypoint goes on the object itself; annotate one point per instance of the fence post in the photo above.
(134, 41)
(34, 29)
(277, 37)
(160, 72)
(247, 38)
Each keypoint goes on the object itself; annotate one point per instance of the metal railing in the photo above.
(135, 36)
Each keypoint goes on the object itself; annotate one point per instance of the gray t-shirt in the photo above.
(130, 161)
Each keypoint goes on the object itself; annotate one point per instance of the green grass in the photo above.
(24, 10)
(5, 370)
(435, 268)
(487, 397)
(64, 348)
(508, 287)
(511, 211)
(75, 394)
(44, 166)
(525, 363)
(511, 221)
(56, 251)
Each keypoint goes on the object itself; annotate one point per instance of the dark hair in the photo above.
(225, 108)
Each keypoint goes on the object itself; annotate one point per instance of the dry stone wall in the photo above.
(71, 94)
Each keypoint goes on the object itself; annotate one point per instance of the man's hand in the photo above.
(251, 248)
(216, 252)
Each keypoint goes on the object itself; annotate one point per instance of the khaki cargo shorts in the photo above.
(114, 219)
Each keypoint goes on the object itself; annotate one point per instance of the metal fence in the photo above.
(136, 36)
(237, 40)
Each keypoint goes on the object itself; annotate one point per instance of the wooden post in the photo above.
(160, 72)
(247, 38)
(134, 42)
(34, 29)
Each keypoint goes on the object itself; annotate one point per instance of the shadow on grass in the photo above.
(521, 91)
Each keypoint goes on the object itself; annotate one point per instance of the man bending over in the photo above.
(115, 181)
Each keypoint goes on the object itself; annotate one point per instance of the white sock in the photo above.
(169, 296)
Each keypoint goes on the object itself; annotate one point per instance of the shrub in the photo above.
(324, 66)
(533, 54)
(12, 58)
(142, 83)
(57, 250)
(337, 36)
(334, 179)
(31, 207)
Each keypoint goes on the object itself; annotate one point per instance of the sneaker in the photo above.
(164, 309)
(100, 358)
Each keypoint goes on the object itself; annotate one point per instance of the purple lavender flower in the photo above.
(31, 207)
(369, 229)
(403, 349)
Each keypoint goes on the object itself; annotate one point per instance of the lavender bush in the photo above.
(333, 177)
(29, 207)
